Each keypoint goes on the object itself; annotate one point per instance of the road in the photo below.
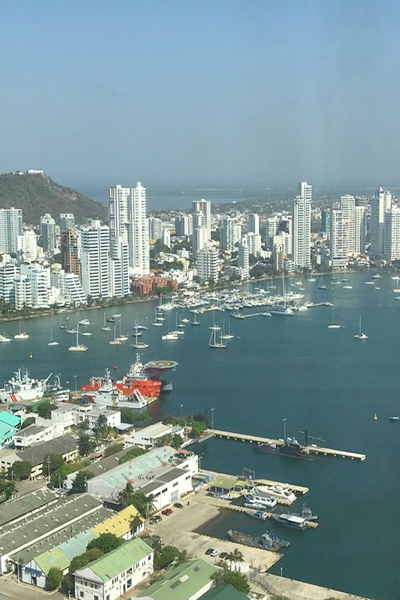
(10, 589)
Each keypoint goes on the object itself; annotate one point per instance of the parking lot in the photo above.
(178, 530)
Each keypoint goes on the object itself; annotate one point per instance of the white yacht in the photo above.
(261, 493)
(78, 347)
(334, 325)
(84, 322)
(4, 338)
(360, 335)
(21, 335)
(52, 342)
(169, 336)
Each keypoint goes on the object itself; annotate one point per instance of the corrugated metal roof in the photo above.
(9, 418)
(119, 524)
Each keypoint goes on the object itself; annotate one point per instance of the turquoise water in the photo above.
(293, 368)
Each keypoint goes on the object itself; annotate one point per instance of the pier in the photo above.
(259, 314)
(316, 450)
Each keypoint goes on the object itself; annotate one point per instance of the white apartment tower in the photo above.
(243, 258)
(203, 207)
(10, 229)
(337, 240)
(200, 239)
(27, 246)
(348, 206)
(254, 224)
(67, 221)
(207, 264)
(360, 228)
(380, 203)
(95, 244)
(302, 226)
(392, 233)
(155, 228)
(227, 234)
(48, 233)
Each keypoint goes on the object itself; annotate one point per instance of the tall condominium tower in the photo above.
(302, 226)
(392, 233)
(70, 252)
(380, 203)
(95, 248)
(203, 207)
(337, 239)
(348, 207)
(10, 229)
(227, 234)
(67, 221)
(48, 233)
(243, 258)
(360, 229)
(254, 223)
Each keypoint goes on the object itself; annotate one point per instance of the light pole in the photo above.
(212, 418)
(282, 577)
(181, 410)
(284, 430)
(74, 376)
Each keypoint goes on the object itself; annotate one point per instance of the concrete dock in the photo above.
(291, 487)
(316, 450)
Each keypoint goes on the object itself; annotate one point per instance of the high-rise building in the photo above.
(184, 225)
(67, 221)
(392, 233)
(8, 274)
(166, 238)
(360, 228)
(227, 234)
(22, 292)
(272, 227)
(200, 239)
(70, 252)
(118, 217)
(302, 226)
(286, 227)
(70, 287)
(254, 224)
(326, 220)
(203, 207)
(337, 240)
(155, 228)
(254, 243)
(10, 229)
(95, 245)
(207, 263)
(119, 272)
(27, 247)
(348, 208)
(39, 278)
(243, 258)
(138, 232)
(48, 233)
(380, 203)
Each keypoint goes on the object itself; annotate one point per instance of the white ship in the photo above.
(21, 387)
(261, 493)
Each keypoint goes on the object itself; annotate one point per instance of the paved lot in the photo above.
(11, 590)
(178, 530)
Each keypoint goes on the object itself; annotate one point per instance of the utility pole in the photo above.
(212, 418)
(284, 430)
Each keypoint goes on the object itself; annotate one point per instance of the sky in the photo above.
(221, 92)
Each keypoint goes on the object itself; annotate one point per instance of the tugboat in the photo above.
(267, 541)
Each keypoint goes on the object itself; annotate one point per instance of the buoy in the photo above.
(30, 355)
(375, 417)
(115, 366)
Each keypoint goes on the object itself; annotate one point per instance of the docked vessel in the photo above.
(394, 418)
(261, 493)
(251, 502)
(21, 387)
(260, 515)
(281, 310)
(291, 447)
(267, 541)
(290, 520)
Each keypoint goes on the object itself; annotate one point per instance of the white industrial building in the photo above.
(147, 437)
(164, 473)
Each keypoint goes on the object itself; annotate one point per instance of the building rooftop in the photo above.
(61, 556)
(182, 582)
(154, 430)
(60, 445)
(112, 564)
(9, 419)
(56, 517)
(224, 592)
(14, 509)
(31, 430)
(119, 524)
(6, 431)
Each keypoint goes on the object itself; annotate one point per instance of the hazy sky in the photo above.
(207, 92)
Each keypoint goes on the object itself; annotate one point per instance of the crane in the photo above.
(308, 437)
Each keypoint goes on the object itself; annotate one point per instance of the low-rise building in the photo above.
(115, 573)
(32, 435)
(74, 414)
(9, 424)
(187, 581)
(24, 507)
(147, 437)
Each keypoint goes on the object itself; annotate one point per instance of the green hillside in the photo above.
(37, 195)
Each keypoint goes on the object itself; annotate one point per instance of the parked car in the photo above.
(178, 505)
(155, 519)
(210, 551)
(215, 553)
(223, 555)
(167, 511)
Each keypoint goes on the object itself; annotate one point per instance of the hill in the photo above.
(37, 194)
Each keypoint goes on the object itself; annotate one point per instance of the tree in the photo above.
(51, 463)
(165, 557)
(84, 559)
(144, 504)
(237, 555)
(106, 542)
(80, 481)
(27, 422)
(136, 523)
(67, 585)
(85, 444)
(53, 579)
(101, 430)
(176, 441)
(226, 577)
(113, 449)
(20, 470)
(44, 410)
(7, 489)
(198, 428)
(132, 453)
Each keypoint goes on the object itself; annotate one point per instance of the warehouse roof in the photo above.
(31, 430)
(14, 509)
(119, 524)
(224, 592)
(9, 419)
(112, 564)
(61, 445)
(6, 431)
(62, 555)
(182, 582)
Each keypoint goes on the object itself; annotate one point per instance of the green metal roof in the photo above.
(224, 592)
(62, 555)
(9, 419)
(14, 509)
(6, 431)
(112, 564)
(183, 582)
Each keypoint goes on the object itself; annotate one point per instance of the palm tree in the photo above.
(125, 496)
(237, 555)
(136, 523)
(149, 506)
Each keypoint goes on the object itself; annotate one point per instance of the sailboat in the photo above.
(195, 322)
(115, 341)
(282, 309)
(52, 342)
(138, 345)
(122, 337)
(213, 343)
(61, 326)
(21, 335)
(321, 285)
(105, 327)
(4, 338)
(229, 335)
(360, 335)
(78, 347)
(157, 321)
(333, 325)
